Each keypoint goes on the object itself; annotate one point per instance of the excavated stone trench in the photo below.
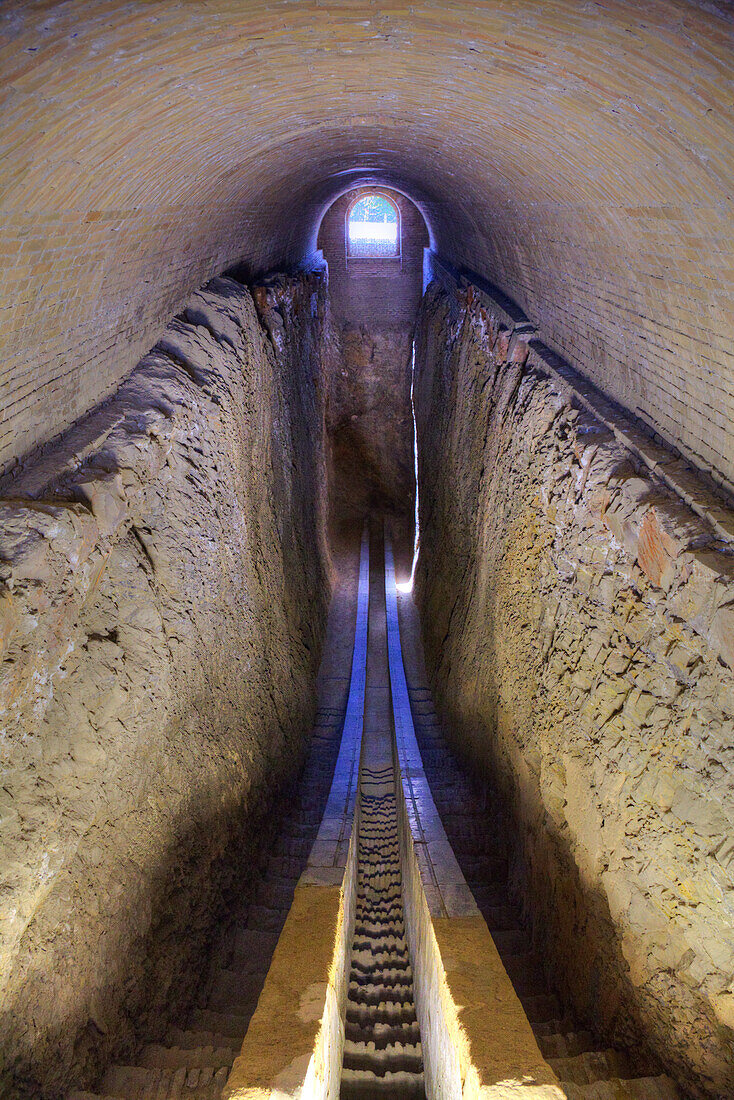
(171, 528)
(420, 869)
(382, 1052)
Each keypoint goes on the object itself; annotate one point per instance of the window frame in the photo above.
(356, 257)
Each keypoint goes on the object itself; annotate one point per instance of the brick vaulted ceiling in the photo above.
(579, 155)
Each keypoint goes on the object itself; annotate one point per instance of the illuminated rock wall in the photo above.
(578, 618)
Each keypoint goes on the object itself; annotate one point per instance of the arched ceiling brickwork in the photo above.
(581, 156)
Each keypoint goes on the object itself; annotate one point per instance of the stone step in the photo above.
(378, 993)
(384, 970)
(554, 1026)
(293, 846)
(230, 989)
(566, 1045)
(494, 895)
(265, 918)
(275, 895)
(590, 1066)
(379, 876)
(526, 973)
(502, 918)
(377, 953)
(391, 944)
(391, 909)
(234, 1024)
(161, 1056)
(363, 1085)
(284, 867)
(251, 949)
(637, 1088)
(303, 818)
(477, 837)
(541, 1007)
(387, 897)
(487, 869)
(193, 1038)
(138, 1083)
(392, 1013)
(513, 942)
(394, 1057)
(379, 928)
(383, 1034)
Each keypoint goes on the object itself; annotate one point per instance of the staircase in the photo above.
(382, 1049)
(585, 1072)
(193, 1060)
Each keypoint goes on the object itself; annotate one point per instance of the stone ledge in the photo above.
(293, 1046)
(682, 478)
(476, 1038)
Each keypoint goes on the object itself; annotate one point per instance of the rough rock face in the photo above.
(374, 302)
(579, 624)
(163, 589)
(370, 425)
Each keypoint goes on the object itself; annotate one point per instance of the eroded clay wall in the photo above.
(369, 418)
(163, 584)
(578, 619)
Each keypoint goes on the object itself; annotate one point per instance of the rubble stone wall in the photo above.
(576, 587)
(163, 587)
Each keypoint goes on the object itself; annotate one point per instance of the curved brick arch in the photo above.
(580, 157)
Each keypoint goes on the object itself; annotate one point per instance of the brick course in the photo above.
(580, 156)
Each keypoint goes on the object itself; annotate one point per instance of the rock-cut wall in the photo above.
(374, 301)
(576, 586)
(163, 587)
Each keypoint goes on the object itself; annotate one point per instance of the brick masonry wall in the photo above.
(383, 292)
(580, 156)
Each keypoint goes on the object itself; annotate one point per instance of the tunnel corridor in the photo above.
(367, 550)
(382, 1052)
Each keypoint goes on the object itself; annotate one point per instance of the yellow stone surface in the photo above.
(493, 1030)
(276, 1052)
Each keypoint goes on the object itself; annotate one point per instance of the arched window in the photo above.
(373, 227)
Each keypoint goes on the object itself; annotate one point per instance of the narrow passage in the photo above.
(382, 1050)
(383, 1055)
